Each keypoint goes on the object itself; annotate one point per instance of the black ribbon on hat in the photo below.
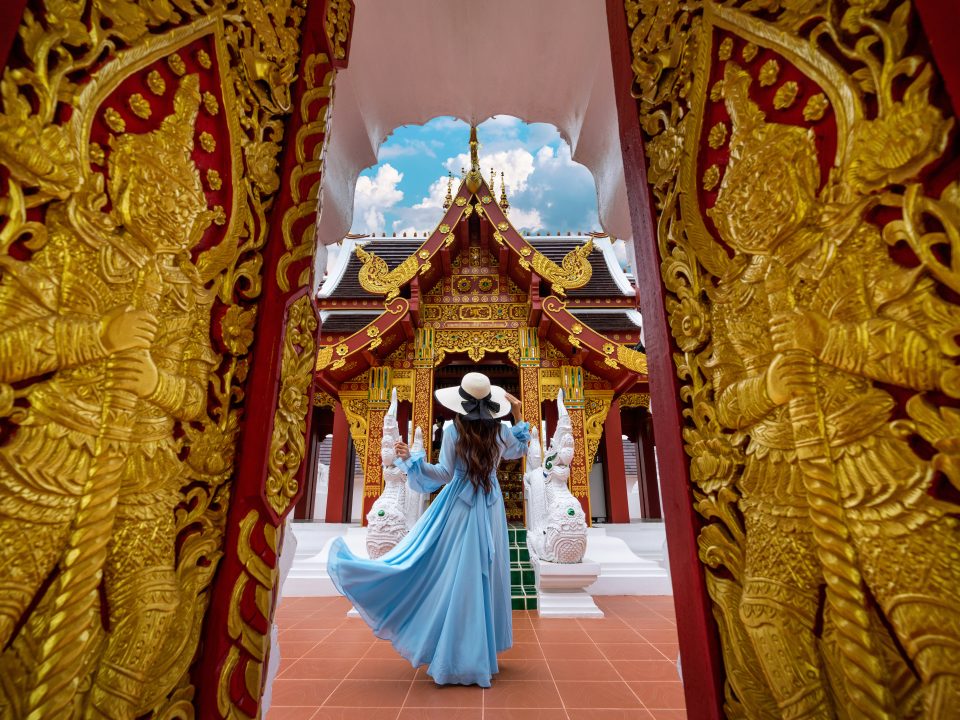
(478, 408)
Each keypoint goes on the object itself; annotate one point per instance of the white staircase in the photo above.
(308, 576)
(623, 571)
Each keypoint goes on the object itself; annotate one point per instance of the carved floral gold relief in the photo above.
(141, 145)
(803, 231)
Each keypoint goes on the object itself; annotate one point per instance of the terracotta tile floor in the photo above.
(620, 667)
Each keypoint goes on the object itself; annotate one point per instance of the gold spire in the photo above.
(493, 175)
(504, 203)
(448, 200)
(473, 177)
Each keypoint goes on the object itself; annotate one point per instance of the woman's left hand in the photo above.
(402, 451)
(515, 405)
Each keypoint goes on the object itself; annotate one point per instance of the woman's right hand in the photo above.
(401, 449)
(516, 407)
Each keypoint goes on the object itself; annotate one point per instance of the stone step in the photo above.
(523, 588)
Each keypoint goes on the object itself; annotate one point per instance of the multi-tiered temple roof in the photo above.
(476, 272)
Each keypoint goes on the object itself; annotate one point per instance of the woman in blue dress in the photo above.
(442, 595)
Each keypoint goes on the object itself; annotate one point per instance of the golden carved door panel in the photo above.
(139, 143)
(807, 224)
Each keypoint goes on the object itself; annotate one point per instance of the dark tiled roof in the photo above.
(346, 322)
(601, 283)
(393, 250)
(606, 321)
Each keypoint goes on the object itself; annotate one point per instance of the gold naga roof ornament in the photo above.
(574, 271)
(376, 277)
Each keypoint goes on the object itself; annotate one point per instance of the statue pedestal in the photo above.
(561, 588)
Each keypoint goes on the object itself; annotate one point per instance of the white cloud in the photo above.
(373, 196)
(526, 220)
(516, 165)
(435, 195)
(548, 191)
(411, 147)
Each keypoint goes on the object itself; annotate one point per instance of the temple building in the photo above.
(535, 313)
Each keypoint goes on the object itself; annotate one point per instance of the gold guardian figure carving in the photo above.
(110, 320)
(831, 496)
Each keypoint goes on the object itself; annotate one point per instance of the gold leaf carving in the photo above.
(288, 441)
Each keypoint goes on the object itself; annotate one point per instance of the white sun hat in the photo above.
(475, 397)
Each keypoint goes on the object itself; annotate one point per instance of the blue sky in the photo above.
(548, 191)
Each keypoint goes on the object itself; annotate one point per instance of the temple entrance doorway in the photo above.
(501, 372)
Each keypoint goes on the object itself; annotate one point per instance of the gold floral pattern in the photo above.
(114, 120)
(815, 108)
(156, 83)
(210, 103)
(711, 176)
(140, 106)
(717, 135)
(769, 73)
(785, 95)
(176, 64)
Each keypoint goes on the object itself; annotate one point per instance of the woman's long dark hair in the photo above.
(478, 447)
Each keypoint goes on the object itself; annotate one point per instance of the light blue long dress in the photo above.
(442, 595)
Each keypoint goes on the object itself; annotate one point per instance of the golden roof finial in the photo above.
(473, 177)
(448, 200)
(493, 176)
(504, 203)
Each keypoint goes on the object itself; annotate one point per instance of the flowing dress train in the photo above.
(442, 595)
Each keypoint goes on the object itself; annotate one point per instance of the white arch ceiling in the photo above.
(413, 60)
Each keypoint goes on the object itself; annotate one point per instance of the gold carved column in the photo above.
(530, 378)
(378, 400)
(571, 379)
(595, 409)
(422, 398)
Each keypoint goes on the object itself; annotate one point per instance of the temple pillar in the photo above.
(647, 469)
(530, 378)
(614, 472)
(341, 465)
(574, 401)
(422, 396)
(378, 400)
